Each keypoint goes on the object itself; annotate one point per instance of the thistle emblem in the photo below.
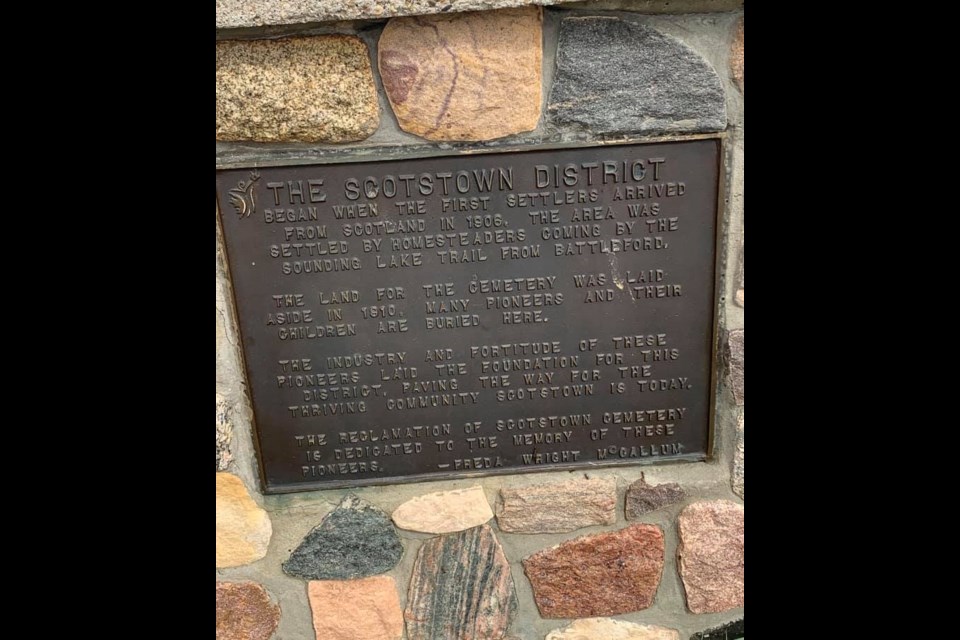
(242, 196)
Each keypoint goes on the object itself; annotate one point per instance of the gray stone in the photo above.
(461, 588)
(735, 364)
(355, 540)
(224, 433)
(643, 498)
(255, 13)
(617, 77)
(737, 480)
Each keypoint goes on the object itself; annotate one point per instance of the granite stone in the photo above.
(710, 555)
(736, 55)
(461, 588)
(558, 507)
(355, 540)
(255, 13)
(224, 434)
(735, 364)
(368, 608)
(737, 480)
(643, 498)
(243, 528)
(245, 612)
(603, 574)
(610, 629)
(730, 631)
(465, 76)
(618, 77)
(445, 511)
(304, 89)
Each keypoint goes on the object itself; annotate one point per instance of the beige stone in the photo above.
(558, 507)
(610, 629)
(710, 555)
(368, 608)
(739, 297)
(315, 89)
(444, 512)
(243, 528)
(466, 76)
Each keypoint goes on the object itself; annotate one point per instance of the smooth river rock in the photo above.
(444, 512)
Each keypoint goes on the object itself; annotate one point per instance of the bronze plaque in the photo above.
(476, 314)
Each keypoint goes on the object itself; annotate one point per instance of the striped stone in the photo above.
(461, 589)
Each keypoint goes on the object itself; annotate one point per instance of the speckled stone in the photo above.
(736, 55)
(253, 13)
(368, 608)
(558, 507)
(466, 76)
(604, 574)
(643, 498)
(710, 555)
(461, 588)
(730, 631)
(313, 89)
(224, 434)
(737, 480)
(735, 364)
(617, 77)
(243, 528)
(445, 511)
(610, 629)
(245, 612)
(355, 540)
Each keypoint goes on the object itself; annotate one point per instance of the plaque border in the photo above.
(376, 154)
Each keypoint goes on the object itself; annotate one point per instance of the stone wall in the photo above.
(653, 551)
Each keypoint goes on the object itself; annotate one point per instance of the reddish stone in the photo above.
(244, 612)
(598, 575)
(711, 555)
(736, 55)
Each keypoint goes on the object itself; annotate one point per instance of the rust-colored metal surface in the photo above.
(476, 314)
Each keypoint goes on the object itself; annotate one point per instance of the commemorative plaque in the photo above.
(476, 314)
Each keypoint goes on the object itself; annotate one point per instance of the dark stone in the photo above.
(245, 612)
(461, 588)
(730, 631)
(618, 77)
(643, 498)
(355, 540)
(735, 364)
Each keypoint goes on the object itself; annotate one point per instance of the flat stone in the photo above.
(604, 574)
(617, 77)
(316, 89)
(735, 364)
(558, 507)
(730, 631)
(355, 540)
(444, 512)
(643, 498)
(367, 608)
(610, 629)
(245, 612)
(464, 76)
(224, 434)
(711, 555)
(737, 480)
(736, 55)
(254, 13)
(243, 528)
(461, 588)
